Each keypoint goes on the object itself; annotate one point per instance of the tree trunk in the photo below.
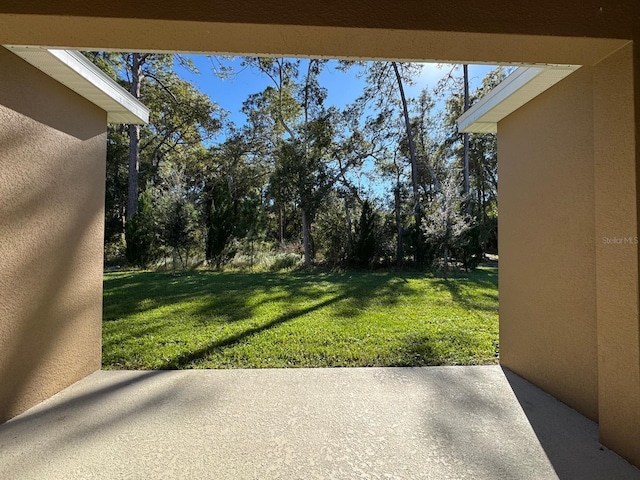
(134, 140)
(281, 225)
(182, 264)
(306, 240)
(347, 213)
(446, 260)
(465, 69)
(417, 211)
(134, 168)
(399, 229)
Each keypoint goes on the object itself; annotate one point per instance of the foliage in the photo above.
(333, 233)
(220, 225)
(115, 185)
(181, 119)
(446, 223)
(299, 172)
(239, 320)
(483, 165)
(264, 260)
(366, 244)
(177, 217)
(141, 249)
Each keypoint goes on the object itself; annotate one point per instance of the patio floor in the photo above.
(362, 423)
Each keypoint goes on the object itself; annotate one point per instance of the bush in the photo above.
(266, 261)
(141, 249)
(366, 244)
(115, 252)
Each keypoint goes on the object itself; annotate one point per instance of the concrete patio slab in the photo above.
(362, 423)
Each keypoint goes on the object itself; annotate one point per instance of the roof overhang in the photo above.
(523, 85)
(76, 72)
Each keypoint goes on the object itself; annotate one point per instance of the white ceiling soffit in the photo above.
(523, 85)
(76, 72)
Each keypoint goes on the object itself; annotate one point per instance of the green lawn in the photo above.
(244, 320)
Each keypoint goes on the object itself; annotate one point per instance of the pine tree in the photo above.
(366, 245)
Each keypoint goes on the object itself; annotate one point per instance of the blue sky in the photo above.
(342, 87)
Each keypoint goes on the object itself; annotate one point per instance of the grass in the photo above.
(244, 320)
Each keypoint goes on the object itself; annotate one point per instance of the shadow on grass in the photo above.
(442, 348)
(212, 298)
(216, 300)
(187, 358)
(227, 295)
(232, 295)
(463, 289)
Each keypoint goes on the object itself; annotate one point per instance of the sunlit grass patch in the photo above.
(260, 320)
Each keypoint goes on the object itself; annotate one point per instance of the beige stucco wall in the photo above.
(604, 19)
(569, 302)
(553, 31)
(616, 217)
(52, 154)
(548, 326)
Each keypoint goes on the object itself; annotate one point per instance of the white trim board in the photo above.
(523, 85)
(76, 72)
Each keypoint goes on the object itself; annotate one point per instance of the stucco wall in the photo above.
(548, 327)
(616, 233)
(548, 31)
(52, 154)
(605, 18)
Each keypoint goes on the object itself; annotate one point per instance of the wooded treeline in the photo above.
(383, 181)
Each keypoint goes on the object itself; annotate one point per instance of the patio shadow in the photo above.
(569, 439)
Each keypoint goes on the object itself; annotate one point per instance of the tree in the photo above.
(332, 229)
(177, 216)
(136, 68)
(220, 225)
(134, 64)
(417, 209)
(141, 248)
(366, 244)
(481, 158)
(181, 119)
(233, 177)
(465, 136)
(385, 88)
(394, 168)
(302, 133)
(178, 229)
(116, 185)
(446, 223)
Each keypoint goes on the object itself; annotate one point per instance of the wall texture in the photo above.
(548, 326)
(569, 294)
(52, 154)
(602, 34)
(616, 232)
(605, 18)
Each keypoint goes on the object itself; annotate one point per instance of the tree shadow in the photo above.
(229, 295)
(463, 289)
(188, 358)
(152, 290)
(217, 300)
(102, 406)
(463, 348)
